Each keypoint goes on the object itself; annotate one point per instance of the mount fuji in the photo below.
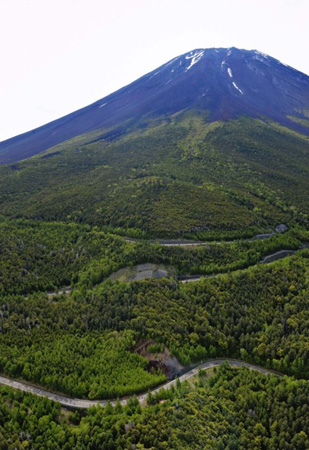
(226, 83)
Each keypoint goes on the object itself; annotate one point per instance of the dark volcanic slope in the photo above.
(224, 82)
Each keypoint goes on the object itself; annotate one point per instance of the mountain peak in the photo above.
(225, 82)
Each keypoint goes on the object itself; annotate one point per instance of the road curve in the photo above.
(266, 260)
(189, 278)
(189, 242)
(79, 403)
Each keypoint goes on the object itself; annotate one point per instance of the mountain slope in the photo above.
(213, 144)
(224, 83)
(184, 175)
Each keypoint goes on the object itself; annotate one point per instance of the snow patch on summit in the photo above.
(262, 54)
(262, 57)
(236, 87)
(195, 58)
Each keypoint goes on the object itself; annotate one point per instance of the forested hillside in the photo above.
(182, 177)
(82, 344)
(45, 256)
(232, 409)
(164, 229)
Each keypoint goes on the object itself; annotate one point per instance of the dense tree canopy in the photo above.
(233, 409)
(83, 343)
(77, 344)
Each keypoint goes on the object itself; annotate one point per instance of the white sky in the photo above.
(58, 56)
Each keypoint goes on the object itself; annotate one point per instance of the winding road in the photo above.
(189, 243)
(79, 403)
(197, 277)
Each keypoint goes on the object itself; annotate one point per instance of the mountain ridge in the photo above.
(225, 83)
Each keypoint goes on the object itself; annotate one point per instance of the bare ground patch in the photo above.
(163, 360)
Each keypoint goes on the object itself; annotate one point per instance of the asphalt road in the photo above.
(79, 403)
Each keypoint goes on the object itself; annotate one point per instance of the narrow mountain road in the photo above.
(65, 290)
(190, 278)
(79, 403)
(190, 243)
(266, 260)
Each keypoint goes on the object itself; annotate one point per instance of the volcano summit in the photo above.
(225, 83)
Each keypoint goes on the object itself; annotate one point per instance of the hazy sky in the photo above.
(57, 56)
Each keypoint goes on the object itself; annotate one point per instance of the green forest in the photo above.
(179, 176)
(81, 344)
(227, 409)
(201, 202)
(45, 256)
